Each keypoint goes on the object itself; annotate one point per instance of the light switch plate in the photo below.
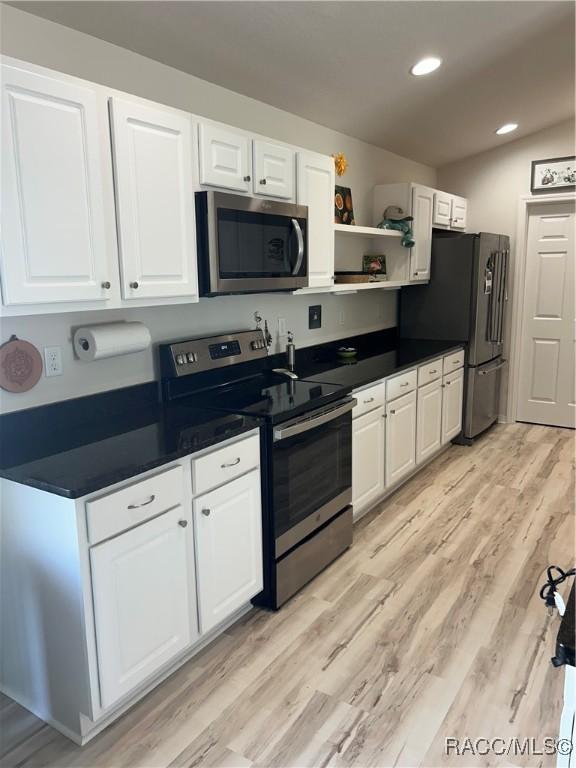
(315, 316)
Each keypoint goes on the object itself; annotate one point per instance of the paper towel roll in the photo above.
(110, 340)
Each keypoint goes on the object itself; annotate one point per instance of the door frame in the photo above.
(525, 206)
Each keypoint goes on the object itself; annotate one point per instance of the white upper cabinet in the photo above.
(153, 173)
(56, 239)
(459, 212)
(422, 211)
(442, 209)
(144, 611)
(429, 421)
(449, 211)
(274, 169)
(315, 175)
(228, 538)
(224, 158)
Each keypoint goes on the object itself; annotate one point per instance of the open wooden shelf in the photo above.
(351, 229)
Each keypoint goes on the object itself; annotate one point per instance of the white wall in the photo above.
(494, 182)
(44, 43)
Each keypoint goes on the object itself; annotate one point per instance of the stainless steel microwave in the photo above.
(250, 245)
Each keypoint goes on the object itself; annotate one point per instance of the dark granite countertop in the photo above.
(80, 446)
(85, 445)
(372, 363)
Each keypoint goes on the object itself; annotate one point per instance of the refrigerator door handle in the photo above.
(503, 292)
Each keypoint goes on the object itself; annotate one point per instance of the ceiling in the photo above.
(345, 64)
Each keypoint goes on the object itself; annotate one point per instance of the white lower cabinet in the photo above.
(228, 541)
(452, 400)
(367, 459)
(144, 602)
(400, 438)
(429, 421)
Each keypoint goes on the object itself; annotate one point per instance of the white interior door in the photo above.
(155, 200)
(55, 221)
(546, 375)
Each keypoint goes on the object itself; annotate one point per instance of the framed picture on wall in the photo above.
(557, 174)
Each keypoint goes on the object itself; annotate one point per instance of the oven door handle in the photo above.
(300, 240)
(304, 425)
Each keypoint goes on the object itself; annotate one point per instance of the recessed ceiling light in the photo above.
(425, 66)
(508, 128)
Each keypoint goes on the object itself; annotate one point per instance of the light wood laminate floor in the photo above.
(429, 627)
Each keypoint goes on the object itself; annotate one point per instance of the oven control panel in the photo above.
(182, 358)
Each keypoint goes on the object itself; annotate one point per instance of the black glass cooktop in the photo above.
(273, 398)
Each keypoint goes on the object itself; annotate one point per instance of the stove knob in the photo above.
(179, 359)
(191, 357)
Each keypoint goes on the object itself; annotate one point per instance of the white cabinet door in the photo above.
(452, 399)
(228, 538)
(442, 216)
(315, 179)
(429, 421)
(274, 169)
(367, 459)
(155, 200)
(420, 254)
(400, 438)
(56, 227)
(224, 158)
(459, 212)
(143, 592)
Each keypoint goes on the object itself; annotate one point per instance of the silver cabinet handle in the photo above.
(134, 285)
(230, 463)
(142, 504)
(263, 182)
(300, 238)
(182, 523)
(106, 285)
(405, 384)
(392, 413)
(206, 512)
(432, 372)
(247, 178)
(369, 400)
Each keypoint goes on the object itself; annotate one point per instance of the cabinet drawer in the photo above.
(130, 506)
(401, 385)
(453, 362)
(225, 464)
(369, 399)
(429, 372)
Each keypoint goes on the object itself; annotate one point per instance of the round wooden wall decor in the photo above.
(20, 365)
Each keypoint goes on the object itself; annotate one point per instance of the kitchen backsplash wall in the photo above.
(341, 316)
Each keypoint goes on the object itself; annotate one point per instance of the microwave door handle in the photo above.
(300, 240)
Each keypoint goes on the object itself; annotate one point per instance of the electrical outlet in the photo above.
(342, 317)
(282, 327)
(315, 316)
(53, 361)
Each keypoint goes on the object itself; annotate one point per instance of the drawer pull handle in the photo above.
(206, 512)
(183, 523)
(392, 413)
(434, 371)
(455, 362)
(230, 463)
(406, 384)
(143, 504)
(369, 400)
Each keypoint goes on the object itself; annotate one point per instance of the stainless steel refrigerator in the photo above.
(465, 301)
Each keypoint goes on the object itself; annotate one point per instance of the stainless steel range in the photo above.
(307, 449)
